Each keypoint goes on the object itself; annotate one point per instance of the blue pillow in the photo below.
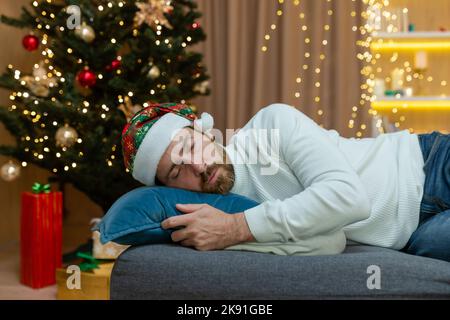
(135, 218)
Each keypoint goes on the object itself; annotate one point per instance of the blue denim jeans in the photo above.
(432, 237)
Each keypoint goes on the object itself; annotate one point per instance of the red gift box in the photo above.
(40, 238)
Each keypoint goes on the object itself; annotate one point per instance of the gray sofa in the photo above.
(173, 272)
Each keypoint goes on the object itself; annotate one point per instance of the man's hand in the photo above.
(207, 228)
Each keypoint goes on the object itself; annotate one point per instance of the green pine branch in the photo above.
(26, 19)
(9, 151)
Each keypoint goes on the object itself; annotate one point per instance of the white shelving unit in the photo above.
(411, 41)
(417, 107)
(423, 103)
(422, 35)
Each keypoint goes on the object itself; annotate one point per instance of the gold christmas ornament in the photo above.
(66, 136)
(152, 13)
(85, 32)
(193, 108)
(10, 171)
(35, 87)
(202, 87)
(128, 109)
(154, 72)
(39, 71)
(39, 83)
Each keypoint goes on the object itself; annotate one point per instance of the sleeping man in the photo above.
(317, 191)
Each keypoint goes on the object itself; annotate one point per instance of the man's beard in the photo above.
(224, 181)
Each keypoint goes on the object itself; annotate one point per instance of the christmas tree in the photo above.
(102, 61)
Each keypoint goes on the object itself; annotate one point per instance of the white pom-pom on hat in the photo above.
(204, 123)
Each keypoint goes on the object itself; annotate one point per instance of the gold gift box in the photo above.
(93, 285)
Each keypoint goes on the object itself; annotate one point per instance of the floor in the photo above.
(10, 286)
(74, 234)
(76, 231)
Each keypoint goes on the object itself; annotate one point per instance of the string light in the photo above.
(273, 27)
(368, 70)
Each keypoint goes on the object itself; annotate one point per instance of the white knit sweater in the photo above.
(326, 189)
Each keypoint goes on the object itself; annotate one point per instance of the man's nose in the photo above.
(198, 168)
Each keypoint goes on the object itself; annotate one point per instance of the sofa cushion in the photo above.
(170, 271)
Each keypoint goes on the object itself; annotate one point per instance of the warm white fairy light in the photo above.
(316, 70)
(273, 27)
(372, 21)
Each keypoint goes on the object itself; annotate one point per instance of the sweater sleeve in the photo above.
(333, 195)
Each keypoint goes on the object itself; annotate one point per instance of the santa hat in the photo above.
(148, 134)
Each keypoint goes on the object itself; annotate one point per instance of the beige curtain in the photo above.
(311, 55)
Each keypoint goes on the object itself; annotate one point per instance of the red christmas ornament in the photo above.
(195, 25)
(30, 42)
(86, 78)
(114, 65)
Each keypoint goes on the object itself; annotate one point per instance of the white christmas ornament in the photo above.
(10, 171)
(154, 72)
(85, 33)
(66, 136)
